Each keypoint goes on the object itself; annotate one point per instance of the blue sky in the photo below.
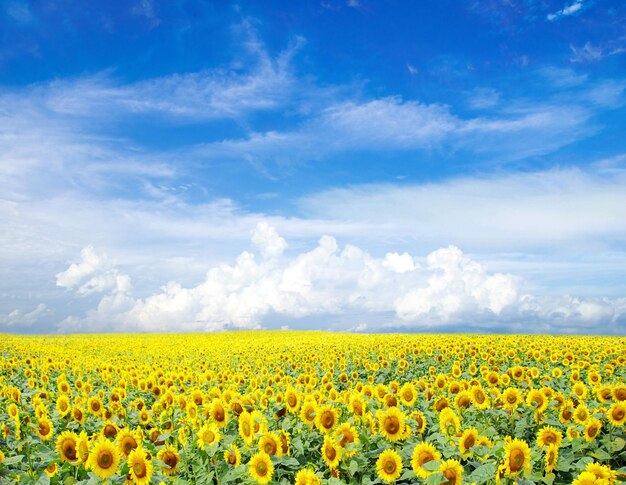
(363, 166)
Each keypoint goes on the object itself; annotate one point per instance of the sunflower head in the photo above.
(331, 452)
(67, 447)
(617, 413)
(140, 466)
(516, 457)
(326, 418)
(452, 472)
(389, 466)
(391, 424)
(468, 439)
(171, 458)
(307, 477)
(548, 436)
(104, 458)
(261, 468)
(422, 454)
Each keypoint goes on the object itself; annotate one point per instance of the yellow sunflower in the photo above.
(232, 456)
(548, 436)
(592, 429)
(292, 400)
(452, 472)
(78, 414)
(44, 429)
(208, 436)
(468, 439)
(585, 478)
(140, 467)
(127, 441)
(104, 458)
(307, 477)
(218, 413)
(516, 456)
(408, 394)
(581, 414)
(326, 418)
(422, 454)
(617, 413)
(331, 452)
(63, 405)
(552, 455)
(391, 424)
(307, 412)
(270, 444)
(261, 468)
(245, 427)
(449, 422)
(345, 435)
(171, 458)
(389, 466)
(511, 398)
(67, 447)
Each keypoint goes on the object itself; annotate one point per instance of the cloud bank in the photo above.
(414, 293)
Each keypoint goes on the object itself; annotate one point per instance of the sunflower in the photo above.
(218, 413)
(1, 457)
(479, 397)
(261, 468)
(408, 394)
(581, 414)
(536, 400)
(307, 412)
(78, 414)
(619, 392)
(127, 441)
(307, 477)
(617, 413)
(44, 429)
(52, 469)
(270, 444)
(422, 454)
(391, 424)
(585, 478)
(104, 458)
(292, 400)
(208, 436)
(549, 436)
(419, 418)
(171, 458)
(63, 405)
(326, 418)
(552, 455)
(601, 472)
(109, 430)
(83, 448)
(511, 398)
(66, 447)
(331, 452)
(285, 442)
(245, 427)
(389, 466)
(449, 422)
(140, 466)
(592, 428)
(463, 399)
(516, 456)
(452, 472)
(232, 456)
(566, 412)
(95, 405)
(468, 439)
(345, 435)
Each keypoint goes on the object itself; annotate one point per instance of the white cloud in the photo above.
(268, 241)
(93, 274)
(566, 11)
(329, 280)
(19, 318)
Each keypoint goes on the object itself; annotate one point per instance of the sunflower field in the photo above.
(312, 408)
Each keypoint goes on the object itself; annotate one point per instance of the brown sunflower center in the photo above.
(392, 424)
(128, 444)
(105, 459)
(618, 414)
(69, 450)
(331, 453)
(140, 470)
(470, 441)
(424, 457)
(261, 469)
(516, 460)
(328, 420)
(170, 459)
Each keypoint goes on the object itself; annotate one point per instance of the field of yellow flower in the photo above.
(312, 408)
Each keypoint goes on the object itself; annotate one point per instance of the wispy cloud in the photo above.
(566, 11)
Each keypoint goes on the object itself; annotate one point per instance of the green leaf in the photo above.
(12, 460)
(549, 478)
(435, 479)
(431, 466)
(353, 467)
(483, 473)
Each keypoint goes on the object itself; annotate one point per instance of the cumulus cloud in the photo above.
(566, 11)
(93, 274)
(328, 280)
